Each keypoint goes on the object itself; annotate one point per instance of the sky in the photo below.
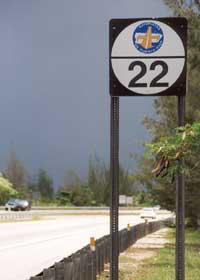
(54, 82)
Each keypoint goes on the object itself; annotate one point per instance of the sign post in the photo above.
(147, 58)
(114, 167)
(180, 204)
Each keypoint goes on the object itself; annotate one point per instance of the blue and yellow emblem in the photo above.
(148, 37)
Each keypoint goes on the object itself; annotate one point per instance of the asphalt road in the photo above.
(26, 248)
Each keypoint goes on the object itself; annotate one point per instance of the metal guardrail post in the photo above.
(94, 268)
(76, 275)
(101, 257)
(103, 253)
(89, 266)
(68, 272)
(98, 259)
(86, 269)
(83, 266)
(108, 250)
(49, 274)
(129, 235)
(59, 270)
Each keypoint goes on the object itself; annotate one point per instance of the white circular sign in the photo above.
(147, 57)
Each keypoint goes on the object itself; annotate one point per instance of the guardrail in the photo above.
(87, 263)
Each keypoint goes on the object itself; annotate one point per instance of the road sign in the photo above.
(129, 200)
(125, 200)
(148, 56)
(122, 199)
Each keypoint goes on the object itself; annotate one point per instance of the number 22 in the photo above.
(143, 67)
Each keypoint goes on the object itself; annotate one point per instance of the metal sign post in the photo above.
(147, 58)
(180, 205)
(114, 166)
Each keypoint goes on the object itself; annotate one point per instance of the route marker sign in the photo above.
(148, 56)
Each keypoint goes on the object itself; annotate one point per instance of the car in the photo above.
(16, 204)
(157, 207)
(148, 213)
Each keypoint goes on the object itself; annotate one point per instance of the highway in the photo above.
(26, 248)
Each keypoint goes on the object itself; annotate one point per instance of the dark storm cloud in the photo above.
(54, 82)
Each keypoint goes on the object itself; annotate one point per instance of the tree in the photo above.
(44, 185)
(99, 181)
(63, 196)
(163, 190)
(125, 184)
(180, 7)
(6, 189)
(71, 180)
(184, 145)
(82, 196)
(16, 172)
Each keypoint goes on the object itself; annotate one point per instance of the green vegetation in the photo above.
(99, 181)
(96, 190)
(6, 189)
(162, 265)
(43, 186)
(75, 192)
(185, 144)
(168, 143)
(156, 264)
(83, 196)
(15, 171)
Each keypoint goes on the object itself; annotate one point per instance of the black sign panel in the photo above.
(148, 57)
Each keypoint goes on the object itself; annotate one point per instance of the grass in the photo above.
(161, 263)
(162, 266)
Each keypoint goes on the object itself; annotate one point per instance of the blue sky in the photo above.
(54, 83)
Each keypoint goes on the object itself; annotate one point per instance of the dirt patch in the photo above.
(138, 254)
(155, 240)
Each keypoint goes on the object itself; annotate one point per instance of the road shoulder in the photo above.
(133, 260)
